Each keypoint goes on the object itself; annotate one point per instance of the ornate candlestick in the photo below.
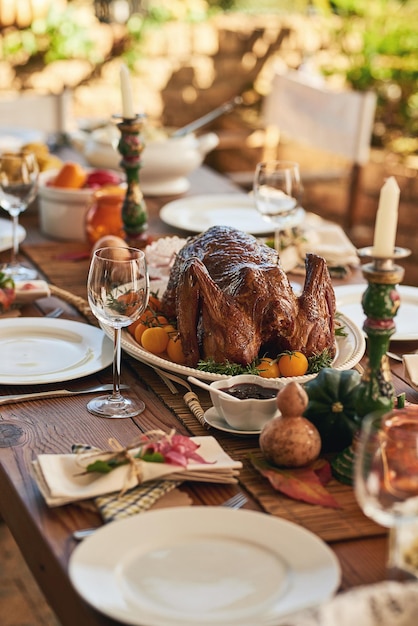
(130, 146)
(380, 304)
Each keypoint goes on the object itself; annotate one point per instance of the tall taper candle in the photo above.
(386, 220)
(126, 89)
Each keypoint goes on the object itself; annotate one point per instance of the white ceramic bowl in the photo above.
(62, 212)
(166, 161)
(247, 414)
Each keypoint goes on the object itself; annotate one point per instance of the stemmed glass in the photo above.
(18, 187)
(386, 482)
(278, 191)
(118, 290)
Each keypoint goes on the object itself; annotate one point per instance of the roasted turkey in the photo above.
(233, 301)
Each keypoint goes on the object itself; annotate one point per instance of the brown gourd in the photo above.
(290, 440)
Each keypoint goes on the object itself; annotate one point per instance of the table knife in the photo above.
(55, 393)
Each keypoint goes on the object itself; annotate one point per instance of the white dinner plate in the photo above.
(6, 241)
(42, 350)
(350, 350)
(215, 420)
(198, 213)
(203, 565)
(349, 297)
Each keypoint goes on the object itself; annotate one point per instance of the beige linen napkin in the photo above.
(388, 603)
(321, 237)
(410, 363)
(62, 479)
(25, 292)
(30, 290)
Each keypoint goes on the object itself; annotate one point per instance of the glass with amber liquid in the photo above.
(386, 482)
(104, 216)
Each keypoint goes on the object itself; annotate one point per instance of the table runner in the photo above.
(54, 260)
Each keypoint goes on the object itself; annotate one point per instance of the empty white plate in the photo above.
(349, 297)
(43, 350)
(198, 213)
(210, 566)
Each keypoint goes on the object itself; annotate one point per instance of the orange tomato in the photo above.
(175, 351)
(293, 364)
(132, 327)
(268, 368)
(170, 330)
(154, 339)
(154, 303)
(159, 320)
(139, 331)
(130, 300)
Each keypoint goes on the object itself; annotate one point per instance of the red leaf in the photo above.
(301, 483)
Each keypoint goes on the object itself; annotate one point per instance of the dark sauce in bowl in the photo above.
(251, 391)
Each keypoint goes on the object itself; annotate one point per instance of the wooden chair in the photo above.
(339, 123)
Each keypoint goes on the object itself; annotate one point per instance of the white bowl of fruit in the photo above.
(65, 196)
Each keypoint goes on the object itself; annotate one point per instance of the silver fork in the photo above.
(57, 312)
(236, 502)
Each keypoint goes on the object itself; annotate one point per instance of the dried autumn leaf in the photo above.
(306, 484)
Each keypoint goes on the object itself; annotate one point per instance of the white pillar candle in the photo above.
(126, 89)
(386, 219)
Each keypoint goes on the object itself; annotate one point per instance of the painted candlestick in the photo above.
(380, 304)
(130, 146)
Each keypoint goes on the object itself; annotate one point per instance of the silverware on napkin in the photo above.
(55, 393)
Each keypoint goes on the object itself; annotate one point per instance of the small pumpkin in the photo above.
(332, 407)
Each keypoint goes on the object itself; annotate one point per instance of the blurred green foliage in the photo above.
(373, 44)
(58, 36)
(379, 41)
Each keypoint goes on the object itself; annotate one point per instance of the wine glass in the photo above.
(118, 290)
(18, 186)
(386, 482)
(278, 191)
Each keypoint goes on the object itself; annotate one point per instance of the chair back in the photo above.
(340, 122)
(47, 113)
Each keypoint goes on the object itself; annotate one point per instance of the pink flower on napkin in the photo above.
(175, 449)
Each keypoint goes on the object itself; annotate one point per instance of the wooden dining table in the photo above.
(44, 535)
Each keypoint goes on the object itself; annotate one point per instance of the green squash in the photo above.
(332, 407)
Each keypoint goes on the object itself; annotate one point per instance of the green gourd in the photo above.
(332, 407)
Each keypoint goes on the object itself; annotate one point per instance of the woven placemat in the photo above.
(348, 522)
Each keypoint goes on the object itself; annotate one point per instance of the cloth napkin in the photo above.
(152, 495)
(25, 292)
(410, 363)
(30, 290)
(323, 238)
(388, 603)
(156, 494)
(62, 479)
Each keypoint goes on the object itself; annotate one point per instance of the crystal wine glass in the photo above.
(18, 187)
(118, 290)
(386, 482)
(278, 191)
